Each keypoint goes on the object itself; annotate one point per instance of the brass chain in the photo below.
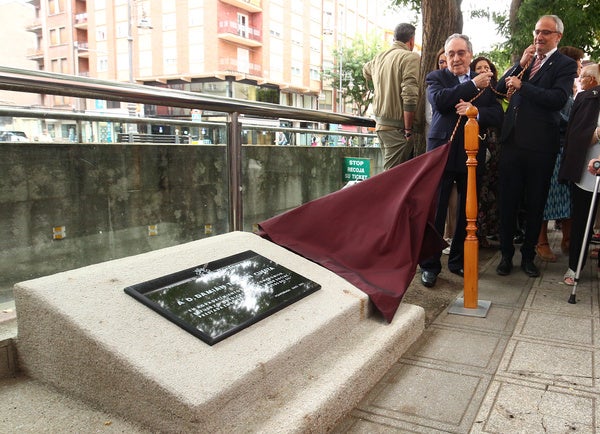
(460, 116)
(508, 95)
(512, 90)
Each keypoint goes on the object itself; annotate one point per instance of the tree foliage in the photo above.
(353, 84)
(580, 17)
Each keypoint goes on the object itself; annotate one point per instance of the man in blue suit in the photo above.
(540, 84)
(451, 91)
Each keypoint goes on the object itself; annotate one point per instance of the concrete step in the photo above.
(8, 333)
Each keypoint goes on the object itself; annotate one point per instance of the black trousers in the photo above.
(581, 200)
(456, 257)
(523, 174)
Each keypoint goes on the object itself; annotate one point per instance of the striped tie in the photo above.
(536, 65)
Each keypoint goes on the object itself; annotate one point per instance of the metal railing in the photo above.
(109, 193)
(42, 82)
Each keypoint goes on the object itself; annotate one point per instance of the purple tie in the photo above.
(536, 65)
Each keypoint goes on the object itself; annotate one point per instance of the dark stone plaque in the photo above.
(215, 300)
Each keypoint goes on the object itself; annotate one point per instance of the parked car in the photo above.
(13, 136)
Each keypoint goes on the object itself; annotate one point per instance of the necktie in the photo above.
(536, 65)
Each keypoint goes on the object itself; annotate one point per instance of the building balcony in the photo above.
(35, 26)
(230, 64)
(244, 35)
(247, 5)
(81, 21)
(35, 53)
(82, 49)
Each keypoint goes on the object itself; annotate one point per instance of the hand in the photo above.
(513, 82)
(462, 107)
(527, 56)
(483, 80)
(592, 169)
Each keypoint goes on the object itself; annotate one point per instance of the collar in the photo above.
(548, 54)
(467, 76)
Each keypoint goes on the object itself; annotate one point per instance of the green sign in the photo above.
(356, 169)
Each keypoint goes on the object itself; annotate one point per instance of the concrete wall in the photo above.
(107, 196)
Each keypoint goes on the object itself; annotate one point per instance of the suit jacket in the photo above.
(580, 129)
(444, 91)
(533, 115)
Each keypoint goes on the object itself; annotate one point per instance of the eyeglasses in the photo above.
(537, 32)
(459, 53)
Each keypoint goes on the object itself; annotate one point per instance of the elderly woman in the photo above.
(582, 144)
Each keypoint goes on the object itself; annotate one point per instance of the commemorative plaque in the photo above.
(217, 299)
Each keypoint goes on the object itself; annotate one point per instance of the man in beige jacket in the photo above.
(395, 75)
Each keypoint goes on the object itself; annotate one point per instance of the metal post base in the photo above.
(480, 311)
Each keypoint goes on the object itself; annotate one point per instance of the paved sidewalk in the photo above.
(530, 366)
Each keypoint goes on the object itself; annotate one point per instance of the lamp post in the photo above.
(340, 90)
(144, 24)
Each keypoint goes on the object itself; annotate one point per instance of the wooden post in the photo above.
(471, 259)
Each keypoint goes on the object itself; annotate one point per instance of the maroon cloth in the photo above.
(373, 233)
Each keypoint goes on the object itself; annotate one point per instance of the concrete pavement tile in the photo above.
(560, 328)
(421, 395)
(506, 292)
(553, 299)
(464, 347)
(548, 363)
(362, 422)
(500, 319)
(517, 408)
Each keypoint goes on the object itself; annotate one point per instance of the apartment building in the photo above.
(264, 50)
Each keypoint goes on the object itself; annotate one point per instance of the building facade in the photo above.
(263, 50)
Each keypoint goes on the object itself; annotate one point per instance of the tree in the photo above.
(352, 59)
(580, 18)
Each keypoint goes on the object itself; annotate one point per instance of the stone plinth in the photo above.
(298, 370)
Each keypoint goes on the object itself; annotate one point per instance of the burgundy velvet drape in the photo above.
(373, 233)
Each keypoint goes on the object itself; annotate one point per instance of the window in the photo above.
(196, 17)
(122, 30)
(297, 36)
(101, 33)
(315, 73)
(58, 36)
(170, 60)
(102, 64)
(243, 29)
(243, 60)
(276, 29)
(169, 21)
(296, 68)
(56, 7)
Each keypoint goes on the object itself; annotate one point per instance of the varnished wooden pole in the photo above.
(471, 259)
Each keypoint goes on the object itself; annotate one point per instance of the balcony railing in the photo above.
(233, 31)
(98, 186)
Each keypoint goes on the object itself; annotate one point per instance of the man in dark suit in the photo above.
(540, 84)
(450, 92)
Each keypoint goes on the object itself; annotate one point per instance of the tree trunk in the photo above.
(512, 23)
(441, 18)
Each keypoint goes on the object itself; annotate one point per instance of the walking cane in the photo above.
(584, 243)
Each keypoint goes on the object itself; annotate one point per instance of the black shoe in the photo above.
(504, 267)
(460, 272)
(530, 269)
(428, 278)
